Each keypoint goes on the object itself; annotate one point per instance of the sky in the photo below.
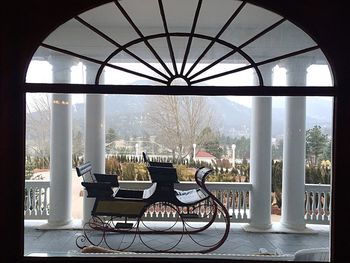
(318, 75)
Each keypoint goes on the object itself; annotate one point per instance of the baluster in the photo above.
(305, 205)
(319, 206)
(40, 209)
(200, 209)
(169, 212)
(29, 201)
(325, 206)
(48, 200)
(308, 205)
(154, 211)
(179, 209)
(230, 204)
(244, 205)
(35, 197)
(162, 210)
(313, 212)
(151, 210)
(227, 200)
(329, 207)
(31, 206)
(234, 205)
(172, 213)
(26, 201)
(239, 205)
(45, 212)
(208, 209)
(219, 195)
(165, 211)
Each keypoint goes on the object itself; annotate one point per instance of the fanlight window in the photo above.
(183, 42)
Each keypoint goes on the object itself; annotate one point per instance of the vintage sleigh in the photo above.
(126, 211)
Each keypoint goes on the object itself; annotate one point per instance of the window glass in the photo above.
(282, 43)
(250, 21)
(220, 140)
(77, 38)
(108, 19)
(194, 45)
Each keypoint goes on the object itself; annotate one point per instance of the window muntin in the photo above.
(118, 34)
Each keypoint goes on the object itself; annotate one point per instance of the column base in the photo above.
(71, 225)
(257, 229)
(279, 228)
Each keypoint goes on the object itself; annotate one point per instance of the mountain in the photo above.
(232, 118)
(126, 114)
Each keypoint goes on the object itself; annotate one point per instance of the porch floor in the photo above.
(63, 241)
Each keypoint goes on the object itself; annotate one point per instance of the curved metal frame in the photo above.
(167, 77)
(208, 207)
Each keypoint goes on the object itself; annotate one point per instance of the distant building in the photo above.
(203, 156)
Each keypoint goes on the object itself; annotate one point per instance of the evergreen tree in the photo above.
(316, 143)
(242, 147)
(210, 142)
(276, 181)
(111, 136)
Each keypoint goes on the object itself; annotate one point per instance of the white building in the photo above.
(203, 156)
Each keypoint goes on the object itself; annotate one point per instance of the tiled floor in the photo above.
(238, 242)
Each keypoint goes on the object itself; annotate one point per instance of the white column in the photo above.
(94, 136)
(293, 179)
(61, 147)
(260, 164)
(260, 159)
(233, 155)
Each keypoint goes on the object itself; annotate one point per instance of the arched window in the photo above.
(229, 43)
(189, 48)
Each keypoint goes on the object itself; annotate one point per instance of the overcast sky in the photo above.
(318, 75)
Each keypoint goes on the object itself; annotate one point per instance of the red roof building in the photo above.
(203, 156)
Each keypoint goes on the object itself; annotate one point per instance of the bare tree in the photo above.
(38, 125)
(177, 121)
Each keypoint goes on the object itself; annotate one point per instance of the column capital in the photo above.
(61, 67)
(91, 70)
(296, 71)
(267, 73)
(59, 60)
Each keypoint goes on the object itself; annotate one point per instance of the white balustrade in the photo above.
(317, 203)
(36, 199)
(234, 196)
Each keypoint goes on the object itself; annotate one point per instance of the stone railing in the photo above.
(317, 203)
(36, 199)
(235, 197)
